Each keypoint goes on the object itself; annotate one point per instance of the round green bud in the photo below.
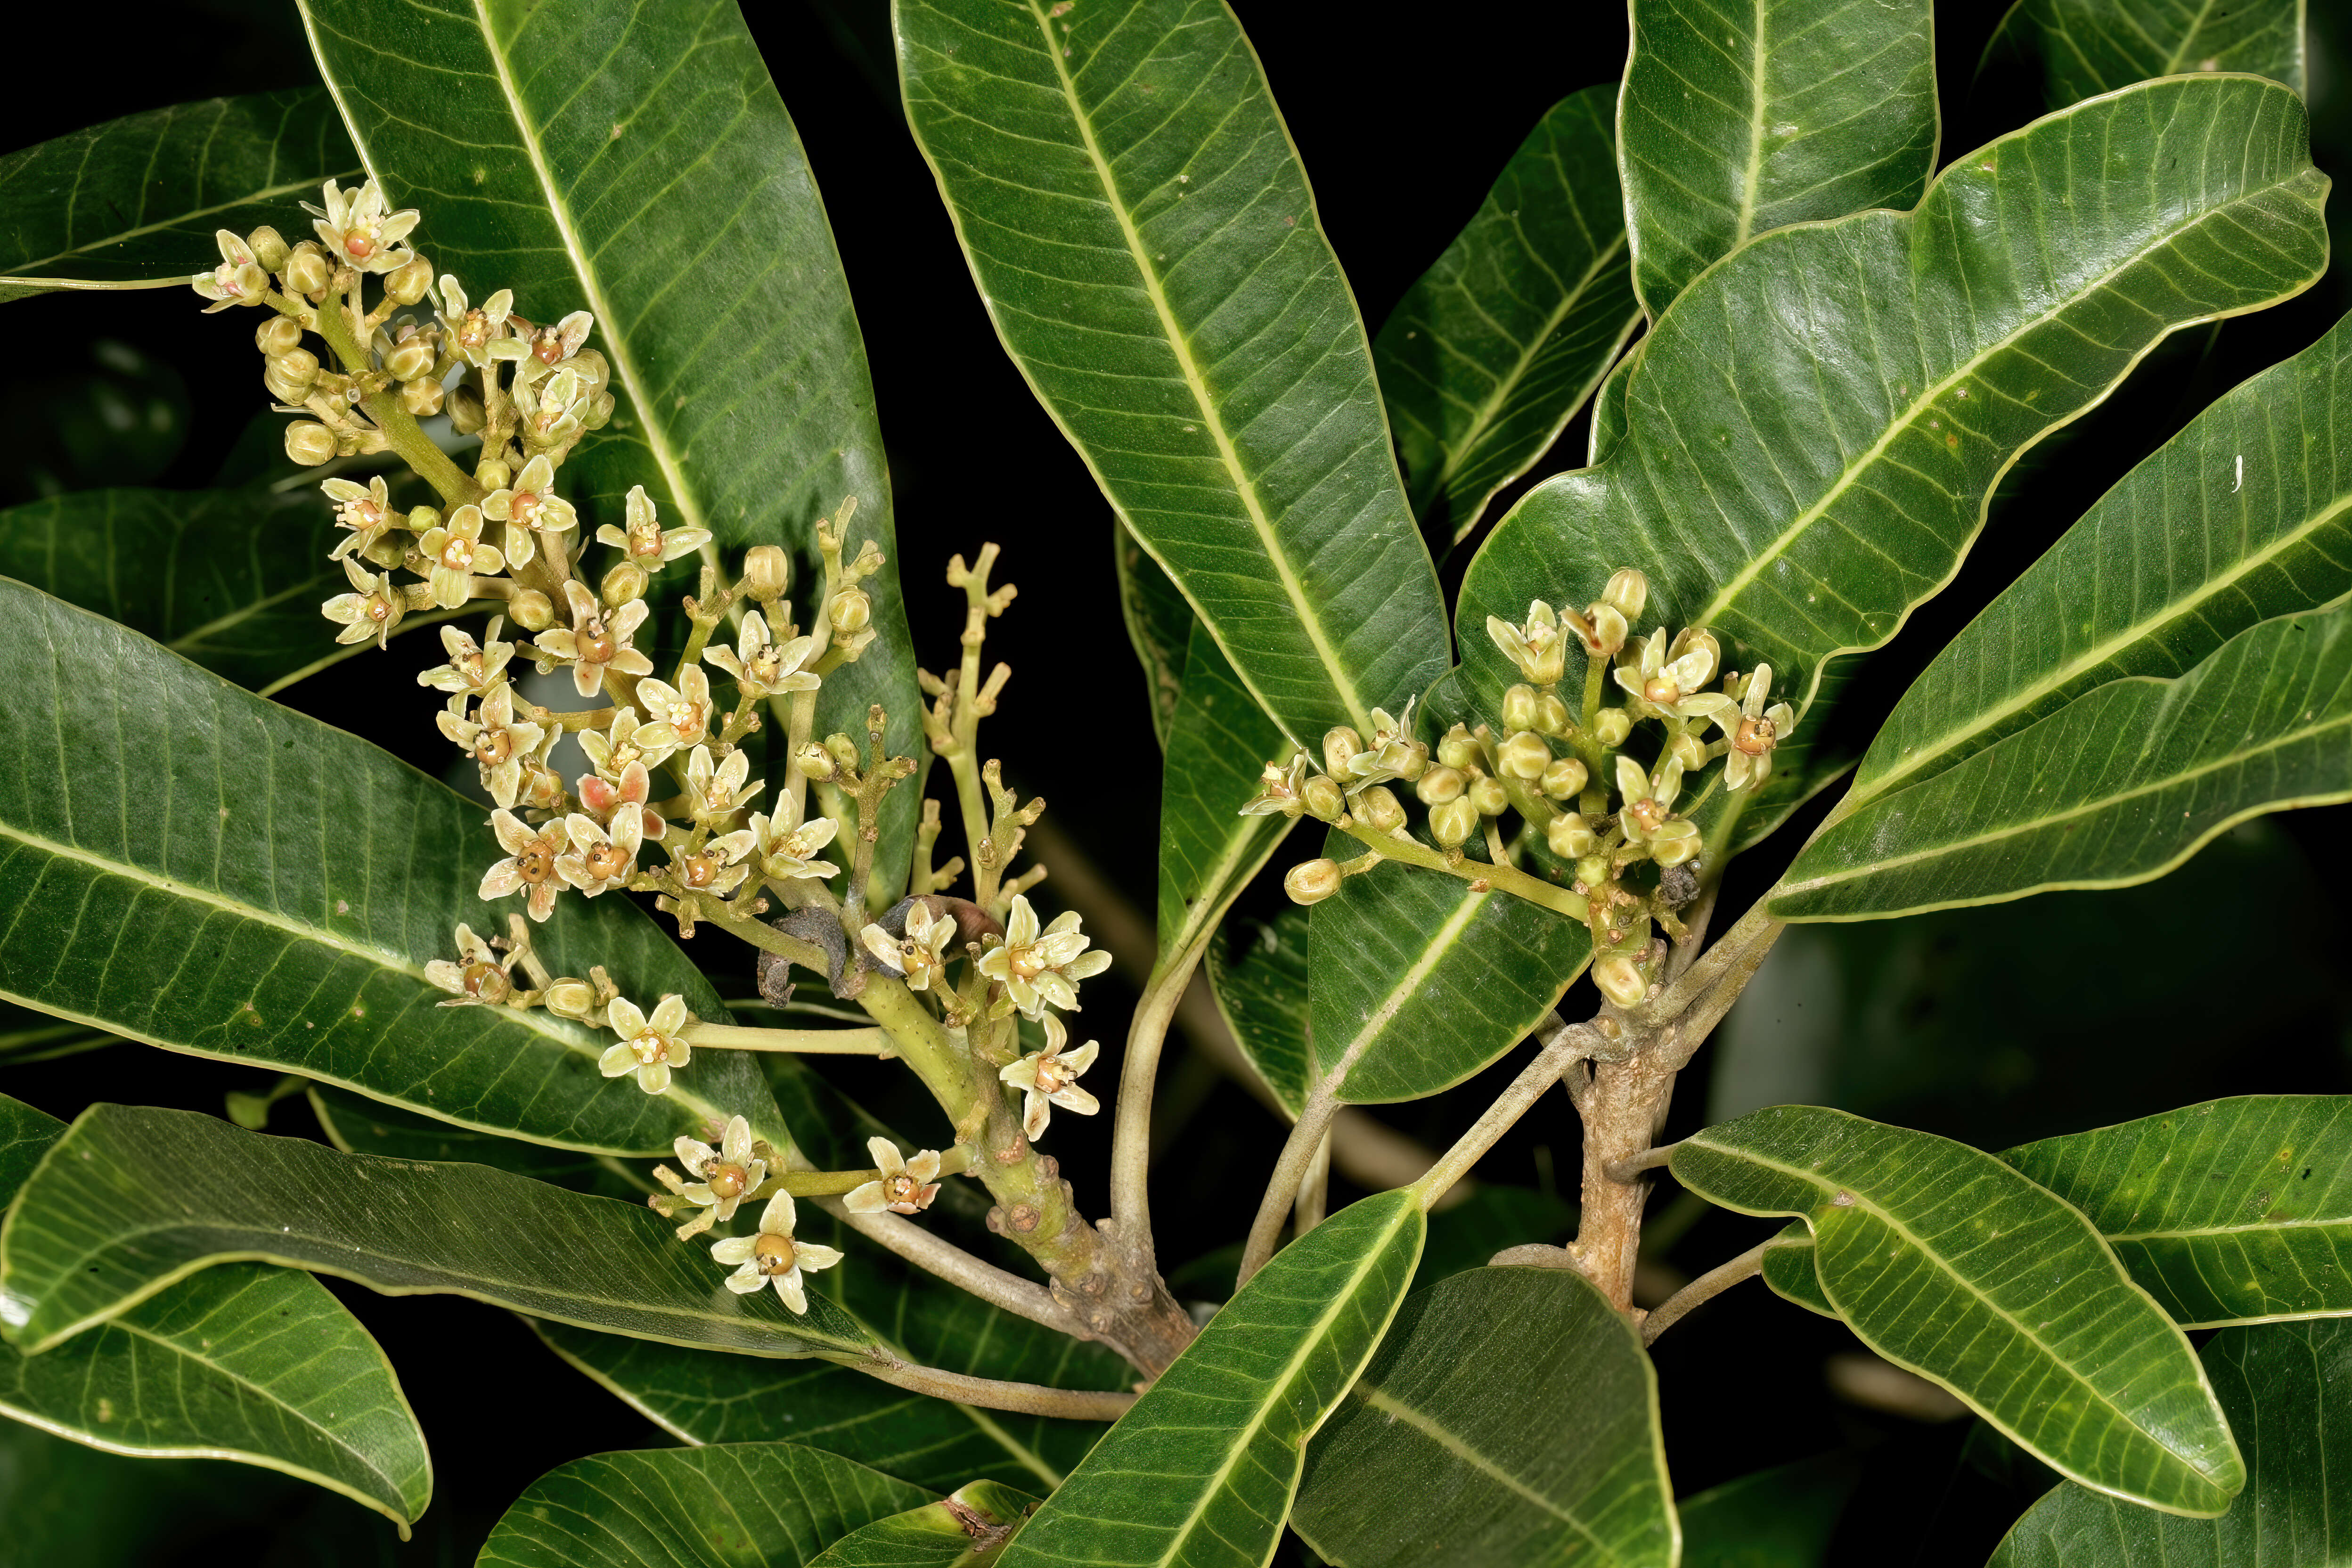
(1322, 798)
(843, 750)
(1487, 797)
(1379, 809)
(569, 998)
(310, 443)
(388, 551)
(1570, 837)
(815, 762)
(1687, 748)
(850, 612)
(1564, 778)
(410, 358)
(410, 282)
(531, 610)
(1670, 847)
(1620, 980)
(465, 412)
(623, 583)
(1440, 785)
(1525, 755)
(423, 519)
(1460, 750)
(1551, 716)
(1519, 707)
(1612, 726)
(290, 376)
(270, 247)
(1341, 745)
(307, 272)
(492, 474)
(1592, 871)
(422, 396)
(1311, 881)
(767, 573)
(278, 335)
(1453, 823)
(1627, 592)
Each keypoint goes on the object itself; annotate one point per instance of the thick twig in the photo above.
(1026, 1398)
(1702, 1289)
(960, 1269)
(1569, 1044)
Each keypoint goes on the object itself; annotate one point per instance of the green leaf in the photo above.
(1258, 973)
(2119, 786)
(190, 866)
(2080, 48)
(245, 1363)
(134, 1198)
(1429, 1459)
(636, 161)
(1789, 1270)
(359, 1126)
(1146, 243)
(2246, 514)
(26, 1036)
(1946, 1261)
(2236, 1211)
(140, 197)
(1488, 356)
(1813, 430)
(1201, 1470)
(1737, 120)
(742, 1505)
(1609, 406)
(1471, 1227)
(1779, 1518)
(66, 1502)
(1158, 623)
(1218, 742)
(2283, 1387)
(231, 580)
(967, 1530)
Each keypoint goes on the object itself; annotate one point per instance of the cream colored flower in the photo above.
(529, 507)
(788, 849)
(649, 1047)
(530, 863)
(1041, 967)
(454, 553)
(603, 801)
(676, 716)
(920, 953)
(646, 542)
(597, 643)
(372, 609)
(1393, 753)
(724, 1176)
(763, 668)
(1278, 788)
(613, 749)
(478, 979)
(718, 793)
(1538, 648)
(1647, 812)
(772, 1256)
(714, 869)
(907, 1186)
(478, 335)
(498, 741)
(601, 861)
(472, 667)
(239, 280)
(1755, 730)
(552, 345)
(365, 511)
(357, 231)
(1050, 1078)
(1666, 679)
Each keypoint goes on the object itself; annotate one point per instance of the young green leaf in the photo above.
(1779, 1518)
(1218, 742)
(1509, 1418)
(134, 1198)
(2119, 786)
(2079, 48)
(1737, 120)
(969, 1529)
(740, 1505)
(1813, 430)
(1258, 973)
(1146, 243)
(1158, 623)
(1488, 356)
(2246, 514)
(1946, 1261)
(248, 1363)
(190, 866)
(2282, 1388)
(141, 197)
(1201, 1470)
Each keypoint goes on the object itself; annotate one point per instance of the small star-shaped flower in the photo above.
(772, 1256)
(905, 1186)
(649, 1047)
(1050, 1078)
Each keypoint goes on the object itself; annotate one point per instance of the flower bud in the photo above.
(1519, 707)
(1570, 837)
(623, 583)
(1551, 716)
(594, 373)
(1311, 881)
(306, 271)
(1612, 726)
(1460, 750)
(1453, 822)
(600, 411)
(423, 519)
(492, 474)
(290, 376)
(767, 573)
(851, 611)
(278, 335)
(1487, 797)
(268, 247)
(1687, 748)
(1341, 745)
(843, 750)
(310, 443)
(388, 551)
(410, 282)
(569, 998)
(1627, 592)
(1564, 778)
(1620, 980)
(1591, 870)
(1440, 785)
(1673, 849)
(467, 415)
(1322, 798)
(1609, 628)
(1379, 809)
(815, 762)
(423, 397)
(532, 610)
(1525, 755)
(409, 358)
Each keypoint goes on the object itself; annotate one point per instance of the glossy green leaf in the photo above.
(2079, 48)
(740, 1505)
(357, 1125)
(1813, 430)
(1258, 973)
(969, 1529)
(1608, 406)
(1779, 1518)
(557, 150)
(1158, 623)
(1493, 351)
(1201, 1470)
(142, 197)
(2234, 1211)
(1468, 1228)
(1146, 243)
(245, 1363)
(2283, 1387)
(1219, 739)
(188, 865)
(2120, 787)
(134, 1198)
(1947, 1262)
(2246, 514)
(1789, 1270)
(1740, 119)
(1429, 1459)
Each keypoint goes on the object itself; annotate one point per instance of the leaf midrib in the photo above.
(194, 215)
(1381, 1399)
(1440, 943)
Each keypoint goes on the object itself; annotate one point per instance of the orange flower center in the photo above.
(607, 861)
(523, 509)
(537, 861)
(686, 718)
(474, 331)
(773, 1254)
(359, 244)
(493, 747)
(901, 1189)
(1662, 690)
(645, 540)
(1649, 814)
(1755, 736)
(651, 1046)
(702, 870)
(486, 980)
(458, 553)
(726, 1180)
(1028, 962)
(596, 644)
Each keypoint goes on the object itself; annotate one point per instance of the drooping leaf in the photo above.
(2241, 517)
(1789, 1270)
(1779, 1518)
(1493, 351)
(1146, 243)
(1429, 1459)
(2283, 1387)
(737, 1505)
(360, 1126)
(1737, 120)
(555, 149)
(1813, 432)
(190, 866)
(1218, 740)
(134, 1198)
(2079, 48)
(140, 197)
(1201, 1470)
(1158, 623)
(1258, 973)
(2119, 786)
(1947, 1262)
(2236, 1211)
(245, 1363)
(969, 1529)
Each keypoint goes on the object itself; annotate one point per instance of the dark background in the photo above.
(2062, 1013)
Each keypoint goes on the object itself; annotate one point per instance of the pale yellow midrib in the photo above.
(197, 216)
(1308, 620)
(1440, 942)
(1748, 202)
(1388, 1404)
